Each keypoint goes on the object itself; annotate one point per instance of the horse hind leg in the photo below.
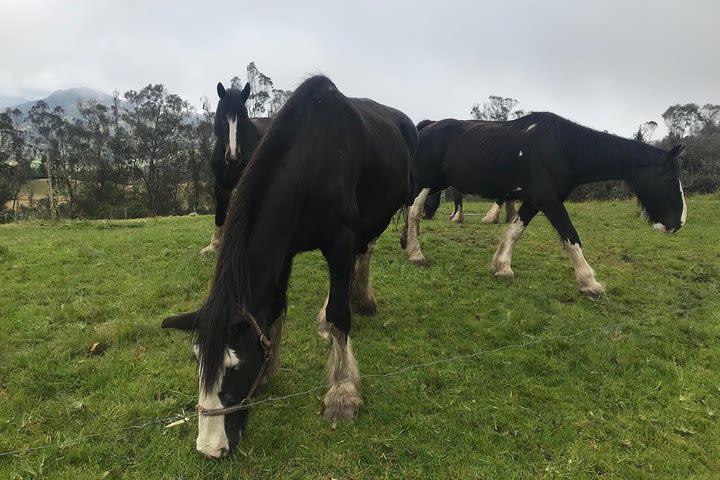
(492, 215)
(458, 216)
(510, 211)
(362, 298)
(502, 260)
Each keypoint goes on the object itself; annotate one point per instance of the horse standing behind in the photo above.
(539, 159)
(329, 174)
(457, 216)
(236, 137)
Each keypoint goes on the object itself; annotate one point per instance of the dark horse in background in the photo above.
(539, 159)
(329, 174)
(457, 216)
(236, 137)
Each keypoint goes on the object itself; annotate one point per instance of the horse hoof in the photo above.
(323, 327)
(342, 404)
(592, 290)
(419, 260)
(505, 274)
(367, 309)
(489, 220)
(458, 219)
(210, 249)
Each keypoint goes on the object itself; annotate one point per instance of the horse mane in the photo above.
(230, 289)
(594, 146)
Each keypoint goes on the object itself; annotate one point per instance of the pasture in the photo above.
(626, 386)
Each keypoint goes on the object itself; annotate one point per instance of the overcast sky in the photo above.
(606, 64)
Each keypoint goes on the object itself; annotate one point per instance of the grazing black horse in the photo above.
(236, 137)
(329, 174)
(539, 159)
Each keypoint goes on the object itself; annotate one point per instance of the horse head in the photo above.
(659, 191)
(231, 118)
(231, 366)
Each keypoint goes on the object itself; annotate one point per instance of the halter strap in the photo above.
(266, 344)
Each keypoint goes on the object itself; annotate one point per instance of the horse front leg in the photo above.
(342, 402)
(502, 260)
(412, 230)
(584, 274)
(222, 199)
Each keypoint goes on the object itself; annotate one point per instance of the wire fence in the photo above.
(186, 417)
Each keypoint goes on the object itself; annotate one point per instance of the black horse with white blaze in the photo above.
(329, 174)
(539, 159)
(236, 137)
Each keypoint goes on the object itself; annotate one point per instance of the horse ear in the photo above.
(677, 151)
(220, 90)
(185, 321)
(245, 94)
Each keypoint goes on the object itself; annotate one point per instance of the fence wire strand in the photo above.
(458, 358)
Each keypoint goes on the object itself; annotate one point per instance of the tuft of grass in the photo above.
(626, 386)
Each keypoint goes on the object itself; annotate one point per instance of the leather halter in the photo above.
(245, 404)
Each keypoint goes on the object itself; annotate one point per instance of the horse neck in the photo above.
(602, 157)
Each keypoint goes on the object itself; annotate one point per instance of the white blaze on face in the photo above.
(212, 440)
(232, 137)
(683, 215)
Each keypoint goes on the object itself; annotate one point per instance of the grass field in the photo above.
(627, 386)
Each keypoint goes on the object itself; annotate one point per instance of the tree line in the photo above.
(148, 153)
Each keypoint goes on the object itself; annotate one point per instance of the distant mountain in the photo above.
(9, 101)
(68, 100)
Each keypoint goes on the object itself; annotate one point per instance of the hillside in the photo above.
(68, 100)
(552, 385)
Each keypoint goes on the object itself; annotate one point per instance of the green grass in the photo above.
(641, 400)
